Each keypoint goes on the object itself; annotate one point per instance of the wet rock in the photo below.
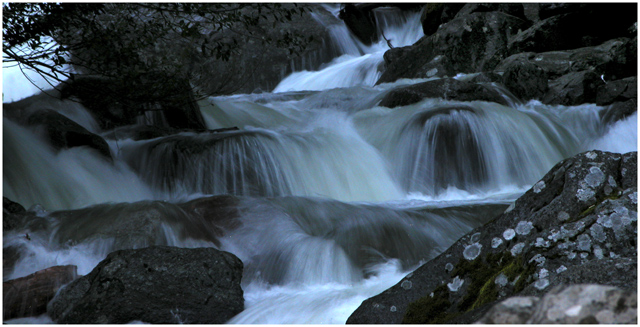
(141, 224)
(618, 111)
(624, 61)
(28, 296)
(63, 133)
(170, 103)
(360, 21)
(583, 223)
(573, 89)
(525, 80)
(11, 214)
(436, 14)
(573, 304)
(513, 9)
(617, 91)
(162, 285)
(446, 88)
(575, 27)
(467, 44)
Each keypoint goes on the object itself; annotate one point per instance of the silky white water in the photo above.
(337, 198)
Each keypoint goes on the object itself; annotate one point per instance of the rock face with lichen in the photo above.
(577, 225)
(574, 304)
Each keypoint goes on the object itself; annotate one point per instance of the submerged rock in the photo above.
(573, 304)
(28, 296)
(539, 252)
(446, 88)
(161, 285)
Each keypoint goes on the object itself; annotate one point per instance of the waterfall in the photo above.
(359, 64)
(326, 197)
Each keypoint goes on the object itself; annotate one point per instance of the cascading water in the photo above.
(326, 197)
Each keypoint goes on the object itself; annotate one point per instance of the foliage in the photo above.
(138, 43)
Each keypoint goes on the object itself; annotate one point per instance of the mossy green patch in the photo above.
(481, 290)
(430, 310)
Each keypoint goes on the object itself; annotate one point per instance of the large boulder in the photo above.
(576, 26)
(160, 285)
(361, 22)
(573, 304)
(467, 44)
(601, 59)
(435, 14)
(525, 80)
(28, 296)
(617, 91)
(574, 88)
(583, 212)
(64, 133)
(155, 98)
(445, 88)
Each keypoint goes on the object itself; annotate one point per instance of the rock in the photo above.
(63, 133)
(10, 214)
(624, 61)
(573, 89)
(113, 105)
(558, 63)
(140, 224)
(581, 213)
(9, 206)
(573, 304)
(525, 80)
(618, 111)
(28, 296)
(445, 88)
(513, 9)
(575, 28)
(467, 44)
(360, 21)
(514, 310)
(617, 91)
(158, 285)
(436, 14)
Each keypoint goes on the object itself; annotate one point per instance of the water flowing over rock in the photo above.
(162, 285)
(29, 295)
(445, 88)
(534, 269)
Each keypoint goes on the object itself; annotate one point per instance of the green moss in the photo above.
(430, 310)
(481, 289)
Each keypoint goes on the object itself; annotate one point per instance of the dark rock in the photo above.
(135, 225)
(64, 133)
(161, 285)
(599, 59)
(573, 89)
(618, 111)
(624, 61)
(114, 104)
(581, 212)
(617, 91)
(28, 296)
(445, 88)
(576, 28)
(360, 21)
(568, 304)
(513, 9)
(436, 14)
(9, 206)
(525, 80)
(467, 44)
(139, 132)
(394, 54)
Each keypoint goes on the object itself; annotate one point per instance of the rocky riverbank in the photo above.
(577, 225)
